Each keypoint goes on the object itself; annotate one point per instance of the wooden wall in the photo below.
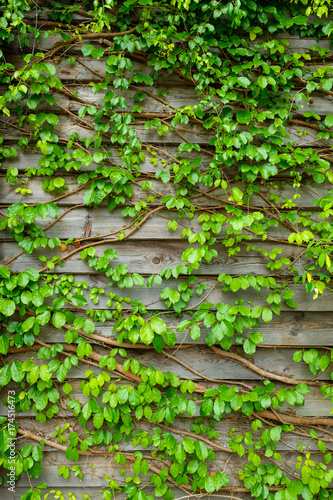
(154, 247)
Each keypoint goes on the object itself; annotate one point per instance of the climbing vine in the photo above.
(200, 128)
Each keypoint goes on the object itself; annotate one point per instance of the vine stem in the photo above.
(261, 371)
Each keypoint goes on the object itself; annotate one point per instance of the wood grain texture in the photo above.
(173, 97)
(152, 257)
(106, 466)
(192, 132)
(294, 329)
(223, 429)
(214, 295)
(29, 158)
(103, 222)
(315, 405)
(200, 197)
(292, 42)
(275, 361)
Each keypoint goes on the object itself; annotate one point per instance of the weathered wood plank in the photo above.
(152, 257)
(94, 70)
(291, 328)
(208, 364)
(242, 424)
(291, 42)
(105, 466)
(102, 222)
(213, 293)
(175, 96)
(29, 158)
(192, 132)
(307, 193)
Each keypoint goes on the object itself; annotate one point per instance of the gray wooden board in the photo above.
(315, 405)
(106, 466)
(292, 42)
(307, 193)
(289, 440)
(215, 295)
(151, 257)
(102, 222)
(29, 158)
(192, 132)
(176, 96)
(292, 328)
(208, 364)
(94, 70)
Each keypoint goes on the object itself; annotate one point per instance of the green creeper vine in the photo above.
(201, 127)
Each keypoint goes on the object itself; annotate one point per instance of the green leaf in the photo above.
(32, 274)
(37, 453)
(195, 332)
(328, 121)
(265, 401)
(146, 334)
(201, 450)
(301, 20)
(28, 324)
(158, 325)
(297, 356)
(98, 419)
(58, 319)
(4, 343)
(236, 402)
(4, 272)
(267, 314)
(61, 373)
(191, 407)
(17, 372)
(43, 210)
(87, 49)
(52, 119)
(7, 307)
(5, 375)
(244, 117)
(209, 484)
(89, 326)
(275, 433)
(89, 196)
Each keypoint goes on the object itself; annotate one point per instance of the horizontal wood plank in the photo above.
(291, 42)
(151, 257)
(162, 99)
(292, 328)
(101, 222)
(200, 197)
(208, 364)
(213, 294)
(223, 428)
(192, 132)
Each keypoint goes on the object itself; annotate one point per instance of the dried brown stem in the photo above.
(260, 371)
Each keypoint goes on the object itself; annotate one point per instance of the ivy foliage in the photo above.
(204, 126)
